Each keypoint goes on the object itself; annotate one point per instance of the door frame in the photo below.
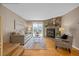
(1, 35)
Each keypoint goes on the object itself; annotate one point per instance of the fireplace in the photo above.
(50, 32)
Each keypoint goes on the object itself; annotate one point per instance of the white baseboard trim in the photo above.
(75, 47)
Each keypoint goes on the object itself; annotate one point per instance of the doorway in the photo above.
(38, 29)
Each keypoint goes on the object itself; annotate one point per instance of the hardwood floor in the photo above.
(11, 49)
(50, 51)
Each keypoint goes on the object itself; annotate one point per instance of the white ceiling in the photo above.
(40, 11)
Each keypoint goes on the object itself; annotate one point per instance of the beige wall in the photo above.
(70, 22)
(8, 18)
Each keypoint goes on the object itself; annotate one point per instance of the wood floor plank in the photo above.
(18, 51)
(50, 51)
(7, 49)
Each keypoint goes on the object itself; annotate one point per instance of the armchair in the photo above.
(64, 43)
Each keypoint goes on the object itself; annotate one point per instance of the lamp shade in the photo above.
(61, 29)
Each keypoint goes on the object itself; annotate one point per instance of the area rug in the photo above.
(36, 43)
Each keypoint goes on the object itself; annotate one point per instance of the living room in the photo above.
(20, 37)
